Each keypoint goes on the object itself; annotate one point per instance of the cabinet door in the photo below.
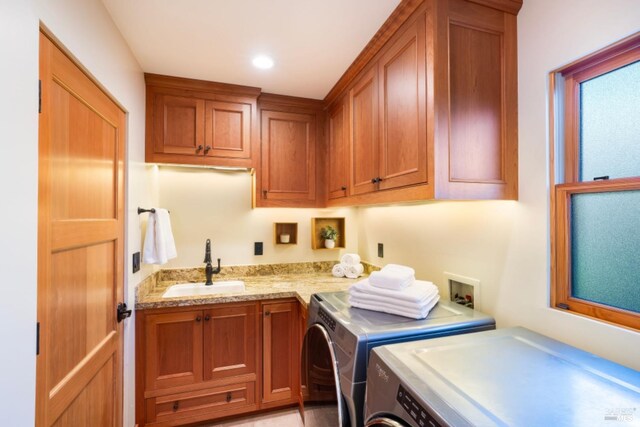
(338, 153)
(403, 116)
(228, 130)
(288, 156)
(363, 111)
(174, 349)
(230, 341)
(178, 125)
(281, 358)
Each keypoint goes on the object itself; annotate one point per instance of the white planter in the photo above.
(329, 244)
(284, 238)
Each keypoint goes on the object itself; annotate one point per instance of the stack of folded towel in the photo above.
(395, 290)
(349, 267)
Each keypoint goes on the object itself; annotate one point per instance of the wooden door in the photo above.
(281, 359)
(230, 341)
(363, 106)
(227, 130)
(173, 344)
(338, 150)
(403, 115)
(288, 156)
(80, 247)
(178, 125)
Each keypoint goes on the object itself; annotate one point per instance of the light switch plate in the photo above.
(258, 248)
(380, 250)
(135, 263)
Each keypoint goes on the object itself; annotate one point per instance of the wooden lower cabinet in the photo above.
(280, 356)
(203, 363)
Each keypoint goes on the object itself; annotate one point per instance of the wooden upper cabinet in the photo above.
(201, 123)
(230, 341)
(403, 115)
(173, 343)
(476, 142)
(337, 161)
(178, 127)
(363, 115)
(228, 130)
(288, 158)
(281, 354)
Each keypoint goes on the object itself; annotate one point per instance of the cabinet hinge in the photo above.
(37, 338)
(563, 306)
(39, 96)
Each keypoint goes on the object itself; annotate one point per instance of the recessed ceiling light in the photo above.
(263, 62)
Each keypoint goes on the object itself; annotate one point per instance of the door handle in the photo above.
(200, 147)
(343, 188)
(198, 318)
(122, 311)
(206, 318)
(207, 149)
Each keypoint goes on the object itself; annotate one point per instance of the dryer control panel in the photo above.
(414, 409)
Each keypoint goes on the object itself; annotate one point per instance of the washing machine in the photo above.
(336, 351)
(505, 377)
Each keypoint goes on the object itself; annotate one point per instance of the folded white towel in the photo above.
(350, 259)
(399, 311)
(393, 276)
(400, 303)
(353, 271)
(159, 246)
(337, 270)
(416, 292)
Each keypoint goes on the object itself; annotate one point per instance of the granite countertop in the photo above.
(269, 281)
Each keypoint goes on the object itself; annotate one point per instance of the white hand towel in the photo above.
(393, 276)
(350, 259)
(388, 308)
(415, 292)
(375, 299)
(337, 270)
(159, 246)
(353, 271)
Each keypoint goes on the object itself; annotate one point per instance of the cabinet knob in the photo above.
(175, 406)
(374, 180)
(200, 147)
(267, 313)
(207, 149)
(207, 317)
(229, 397)
(264, 193)
(198, 319)
(343, 188)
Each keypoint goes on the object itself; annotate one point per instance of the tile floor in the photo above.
(284, 418)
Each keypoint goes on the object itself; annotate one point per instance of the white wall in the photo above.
(85, 28)
(506, 244)
(206, 203)
(19, 209)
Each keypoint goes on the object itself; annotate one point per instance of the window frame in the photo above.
(564, 125)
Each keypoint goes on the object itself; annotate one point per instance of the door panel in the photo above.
(280, 351)
(363, 101)
(403, 116)
(179, 127)
(338, 157)
(174, 349)
(80, 247)
(230, 341)
(228, 130)
(288, 156)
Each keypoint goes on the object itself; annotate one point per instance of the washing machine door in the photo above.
(384, 422)
(322, 403)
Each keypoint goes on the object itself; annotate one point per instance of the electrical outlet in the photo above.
(380, 250)
(257, 248)
(135, 263)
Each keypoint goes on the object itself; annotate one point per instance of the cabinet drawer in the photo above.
(174, 409)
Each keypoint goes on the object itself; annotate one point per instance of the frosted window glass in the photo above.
(605, 248)
(610, 124)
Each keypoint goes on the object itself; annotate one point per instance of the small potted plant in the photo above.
(329, 234)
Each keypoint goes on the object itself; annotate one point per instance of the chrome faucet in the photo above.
(209, 270)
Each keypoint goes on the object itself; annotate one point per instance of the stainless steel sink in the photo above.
(190, 289)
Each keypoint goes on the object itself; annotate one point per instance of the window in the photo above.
(595, 202)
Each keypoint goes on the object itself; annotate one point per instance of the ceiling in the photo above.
(312, 42)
